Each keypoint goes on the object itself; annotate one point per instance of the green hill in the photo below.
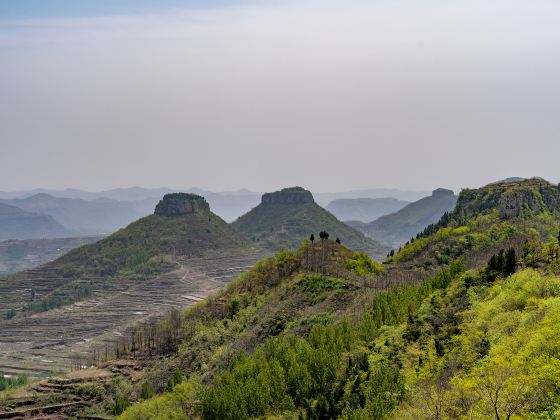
(397, 228)
(285, 218)
(16, 223)
(364, 209)
(182, 226)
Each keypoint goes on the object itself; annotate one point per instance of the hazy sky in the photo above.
(330, 95)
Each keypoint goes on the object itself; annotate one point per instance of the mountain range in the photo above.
(18, 223)
(468, 305)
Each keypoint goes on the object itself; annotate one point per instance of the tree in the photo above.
(510, 262)
(147, 391)
(312, 238)
(337, 240)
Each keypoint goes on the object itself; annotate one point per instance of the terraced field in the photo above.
(56, 340)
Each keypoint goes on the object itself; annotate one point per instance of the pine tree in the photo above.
(510, 262)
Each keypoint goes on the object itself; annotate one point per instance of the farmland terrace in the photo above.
(46, 342)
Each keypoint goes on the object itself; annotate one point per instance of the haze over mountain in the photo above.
(100, 215)
(364, 209)
(18, 223)
(397, 228)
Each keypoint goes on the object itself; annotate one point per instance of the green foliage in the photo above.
(121, 392)
(9, 314)
(146, 390)
(175, 379)
(12, 382)
(501, 264)
(170, 405)
(283, 373)
(363, 265)
(313, 283)
(69, 293)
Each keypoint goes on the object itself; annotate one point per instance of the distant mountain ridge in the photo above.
(18, 223)
(397, 228)
(98, 216)
(364, 209)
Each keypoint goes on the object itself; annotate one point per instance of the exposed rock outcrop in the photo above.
(511, 198)
(442, 192)
(176, 204)
(293, 195)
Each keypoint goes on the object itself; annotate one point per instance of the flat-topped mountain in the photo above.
(16, 223)
(396, 228)
(284, 218)
(293, 195)
(176, 204)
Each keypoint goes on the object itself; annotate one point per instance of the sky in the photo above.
(330, 95)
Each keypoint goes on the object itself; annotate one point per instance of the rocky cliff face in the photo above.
(511, 199)
(294, 195)
(181, 203)
(442, 192)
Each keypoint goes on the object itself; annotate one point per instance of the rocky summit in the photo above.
(293, 195)
(181, 203)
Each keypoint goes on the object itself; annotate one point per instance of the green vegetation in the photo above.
(12, 382)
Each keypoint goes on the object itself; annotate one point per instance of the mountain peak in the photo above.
(442, 192)
(292, 195)
(175, 204)
(510, 198)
